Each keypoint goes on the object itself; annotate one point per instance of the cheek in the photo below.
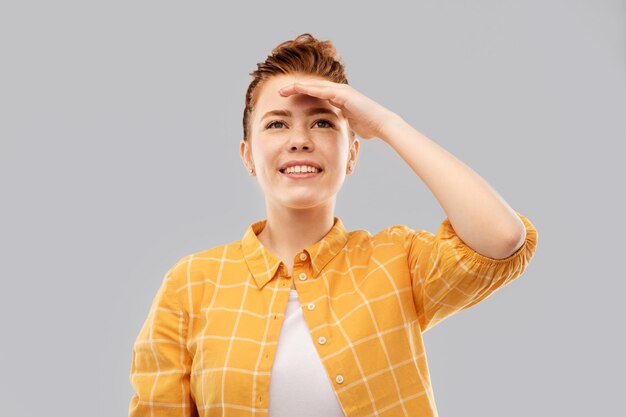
(339, 157)
(266, 155)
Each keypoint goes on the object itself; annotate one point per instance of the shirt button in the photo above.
(302, 276)
(321, 340)
(303, 256)
(339, 379)
(311, 306)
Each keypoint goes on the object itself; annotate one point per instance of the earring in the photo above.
(250, 170)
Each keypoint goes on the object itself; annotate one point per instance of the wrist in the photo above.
(390, 127)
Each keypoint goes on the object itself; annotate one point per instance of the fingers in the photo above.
(327, 92)
(312, 90)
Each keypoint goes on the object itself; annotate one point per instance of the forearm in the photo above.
(478, 214)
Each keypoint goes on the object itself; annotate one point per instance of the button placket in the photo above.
(311, 306)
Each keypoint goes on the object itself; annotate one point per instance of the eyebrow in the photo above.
(309, 112)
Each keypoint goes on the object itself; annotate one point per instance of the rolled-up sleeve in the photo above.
(160, 367)
(448, 276)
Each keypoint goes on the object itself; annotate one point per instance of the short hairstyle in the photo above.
(303, 55)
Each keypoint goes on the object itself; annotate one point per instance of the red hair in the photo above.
(303, 55)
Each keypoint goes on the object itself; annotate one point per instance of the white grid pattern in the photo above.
(207, 345)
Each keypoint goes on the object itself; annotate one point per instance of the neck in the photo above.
(288, 231)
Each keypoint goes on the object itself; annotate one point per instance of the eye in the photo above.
(273, 122)
(324, 121)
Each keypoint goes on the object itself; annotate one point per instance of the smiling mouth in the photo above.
(300, 174)
(319, 170)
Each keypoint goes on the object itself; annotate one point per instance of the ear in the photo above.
(354, 151)
(244, 152)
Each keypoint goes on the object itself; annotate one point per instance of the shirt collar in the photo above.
(263, 264)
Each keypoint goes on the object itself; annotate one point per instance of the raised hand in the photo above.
(365, 116)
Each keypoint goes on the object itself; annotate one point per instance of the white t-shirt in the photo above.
(299, 385)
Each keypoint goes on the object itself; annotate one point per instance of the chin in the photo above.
(301, 203)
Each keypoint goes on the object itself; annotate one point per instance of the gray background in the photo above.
(120, 130)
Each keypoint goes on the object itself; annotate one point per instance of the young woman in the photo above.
(301, 317)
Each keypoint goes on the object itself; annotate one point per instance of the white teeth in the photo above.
(300, 169)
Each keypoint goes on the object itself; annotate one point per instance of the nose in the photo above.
(300, 138)
(295, 147)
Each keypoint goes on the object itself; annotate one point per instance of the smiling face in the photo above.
(304, 128)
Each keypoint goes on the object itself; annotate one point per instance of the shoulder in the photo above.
(392, 235)
(399, 233)
(197, 265)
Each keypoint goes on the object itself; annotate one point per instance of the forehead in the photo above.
(270, 99)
